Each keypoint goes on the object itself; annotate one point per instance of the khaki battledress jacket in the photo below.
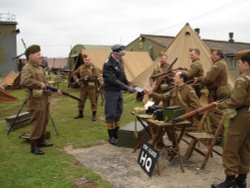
(236, 154)
(162, 83)
(216, 80)
(88, 84)
(196, 70)
(164, 68)
(183, 96)
(37, 100)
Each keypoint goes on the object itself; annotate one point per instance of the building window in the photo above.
(231, 63)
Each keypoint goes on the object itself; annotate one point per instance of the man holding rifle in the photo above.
(236, 153)
(33, 78)
(88, 82)
(161, 83)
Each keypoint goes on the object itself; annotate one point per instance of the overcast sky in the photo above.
(58, 25)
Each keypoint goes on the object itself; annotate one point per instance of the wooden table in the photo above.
(141, 118)
(156, 129)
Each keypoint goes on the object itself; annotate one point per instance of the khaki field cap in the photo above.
(119, 49)
(32, 49)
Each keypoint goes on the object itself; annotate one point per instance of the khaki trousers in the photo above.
(39, 108)
(236, 154)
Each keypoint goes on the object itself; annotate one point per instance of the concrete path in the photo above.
(119, 166)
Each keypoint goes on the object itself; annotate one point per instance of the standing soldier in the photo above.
(236, 153)
(196, 69)
(216, 81)
(115, 81)
(160, 83)
(33, 78)
(88, 86)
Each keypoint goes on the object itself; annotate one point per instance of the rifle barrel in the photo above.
(169, 70)
(53, 89)
(195, 112)
(172, 64)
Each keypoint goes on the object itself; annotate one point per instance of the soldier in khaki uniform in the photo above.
(161, 84)
(88, 86)
(33, 78)
(236, 153)
(182, 95)
(216, 81)
(196, 69)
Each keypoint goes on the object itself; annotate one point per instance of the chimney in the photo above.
(231, 36)
(197, 30)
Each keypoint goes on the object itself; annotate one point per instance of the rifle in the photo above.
(197, 111)
(85, 79)
(189, 82)
(53, 89)
(169, 70)
(169, 73)
(172, 64)
(164, 75)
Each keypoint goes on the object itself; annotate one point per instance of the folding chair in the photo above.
(207, 139)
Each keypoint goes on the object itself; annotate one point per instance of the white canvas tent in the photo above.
(187, 38)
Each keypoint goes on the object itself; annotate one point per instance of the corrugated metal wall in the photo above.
(7, 47)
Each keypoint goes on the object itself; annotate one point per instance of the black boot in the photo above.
(80, 115)
(112, 139)
(240, 181)
(116, 133)
(94, 116)
(228, 183)
(43, 143)
(35, 149)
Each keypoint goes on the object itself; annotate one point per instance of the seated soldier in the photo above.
(182, 95)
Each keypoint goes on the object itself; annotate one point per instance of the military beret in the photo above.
(32, 49)
(119, 49)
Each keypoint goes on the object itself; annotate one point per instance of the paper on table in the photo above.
(138, 89)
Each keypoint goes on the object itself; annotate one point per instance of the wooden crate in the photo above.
(22, 120)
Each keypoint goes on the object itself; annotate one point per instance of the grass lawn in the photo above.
(20, 168)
